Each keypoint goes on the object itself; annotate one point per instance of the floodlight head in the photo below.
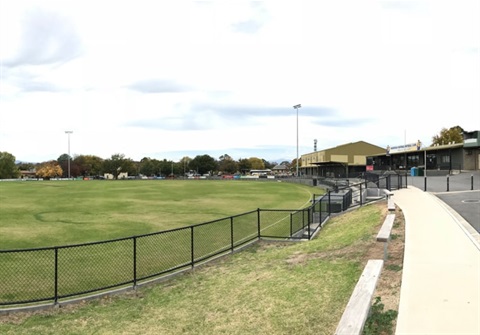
(297, 106)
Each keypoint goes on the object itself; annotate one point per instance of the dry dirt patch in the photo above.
(388, 287)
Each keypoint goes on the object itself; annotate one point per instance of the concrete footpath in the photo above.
(440, 291)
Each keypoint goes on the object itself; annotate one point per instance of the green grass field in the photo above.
(60, 213)
(53, 213)
(269, 288)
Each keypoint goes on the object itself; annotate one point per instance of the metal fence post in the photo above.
(471, 187)
(308, 218)
(320, 211)
(329, 203)
(134, 262)
(258, 222)
(448, 182)
(313, 208)
(291, 227)
(425, 184)
(231, 233)
(361, 197)
(56, 277)
(309, 222)
(192, 255)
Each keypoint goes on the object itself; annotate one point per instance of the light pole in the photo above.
(68, 132)
(297, 107)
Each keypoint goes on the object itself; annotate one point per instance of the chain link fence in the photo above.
(55, 274)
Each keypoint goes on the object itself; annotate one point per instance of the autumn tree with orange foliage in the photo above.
(49, 170)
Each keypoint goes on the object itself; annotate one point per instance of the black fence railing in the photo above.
(59, 273)
(56, 273)
(345, 193)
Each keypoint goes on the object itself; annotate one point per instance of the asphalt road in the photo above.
(456, 191)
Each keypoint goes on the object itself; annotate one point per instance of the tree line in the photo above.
(90, 165)
(94, 166)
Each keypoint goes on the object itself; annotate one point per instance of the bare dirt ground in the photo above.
(390, 281)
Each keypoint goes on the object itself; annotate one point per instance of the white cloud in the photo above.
(165, 79)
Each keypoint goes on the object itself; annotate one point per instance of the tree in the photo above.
(26, 166)
(146, 167)
(203, 164)
(87, 165)
(117, 164)
(225, 157)
(256, 163)
(156, 167)
(269, 165)
(8, 169)
(244, 165)
(129, 167)
(227, 164)
(74, 168)
(63, 162)
(150, 167)
(185, 163)
(163, 167)
(293, 165)
(50, 169)
(452, 135)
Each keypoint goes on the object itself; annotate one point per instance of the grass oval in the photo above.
(49, 213)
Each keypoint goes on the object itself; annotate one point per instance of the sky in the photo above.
(167, 79)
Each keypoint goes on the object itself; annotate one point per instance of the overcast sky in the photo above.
(173, 78)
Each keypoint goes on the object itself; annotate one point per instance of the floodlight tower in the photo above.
(68, 132)
(297, 107)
